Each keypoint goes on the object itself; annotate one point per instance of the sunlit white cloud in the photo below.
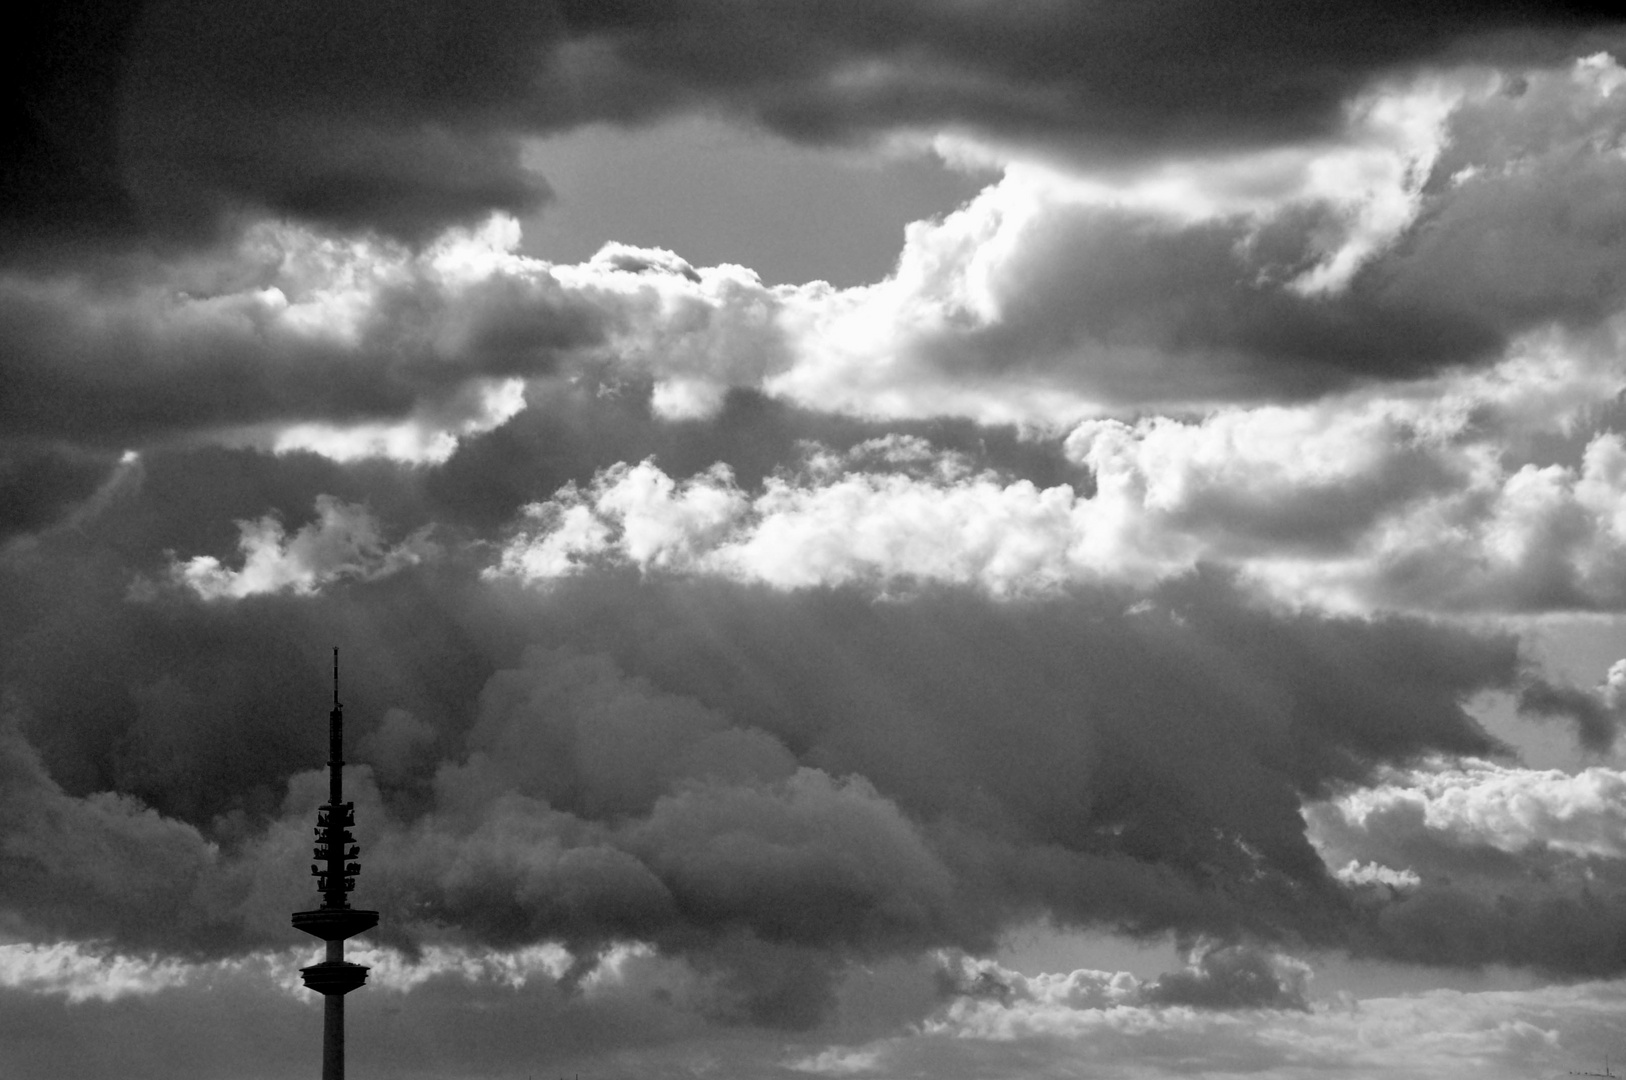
(1506, 1035)
(882, 528)
(344, 541)
(1509, 808)
(993, 1019)
(1064, 290)
(427, 439)
(1376, 503)
(79, 974)
(837, 1062)
(1362, 503)
(1358, 873)
(78, 971)
(1370, 173)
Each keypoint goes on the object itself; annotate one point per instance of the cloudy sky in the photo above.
(868, 539)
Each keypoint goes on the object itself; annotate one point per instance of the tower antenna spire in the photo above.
(335, 920)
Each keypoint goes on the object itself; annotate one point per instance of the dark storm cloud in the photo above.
(1525, 874)
(1553, 916)
(206, 345)
(771, 785)
(1597, 720)
(1237, 976)
(168, 117)
(41, 483)
(101, 866)
(282, 324)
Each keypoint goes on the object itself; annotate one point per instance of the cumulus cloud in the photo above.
(1234, 976)
(1368, 504)
(1363, 505)
(846, 527)
(1508, 808)
(296, 340)
(96, 866)
(1530, 538)
(1063, 291)
(716, 846)
(1066, 289)
(89, 1010)
(1597, 715)
(67, 969)
(716, 653)
(288, 327)
(1218, 976)
(1505, 863)
(1372, 500)
(641, 774)
(713, 844)
(343, 541)
(508, 1011)
(1044, 1020)
(429, 436)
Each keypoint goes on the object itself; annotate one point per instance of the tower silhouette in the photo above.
(333, 922)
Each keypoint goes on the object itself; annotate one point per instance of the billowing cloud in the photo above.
(1217, 976)
(1065, 290)
(1375, 504)
(1234, 977)
(88, 1010)
(934, 779)
(1095, 1016)
(93, 867)
(343, 541)
(288, 327)
(357, 348)
(849, 527)
(1597, 715)
(1155, 554)
(1505, 808)
(506, 1012)
(1504, 863)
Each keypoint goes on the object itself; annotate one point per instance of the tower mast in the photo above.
(333, 922)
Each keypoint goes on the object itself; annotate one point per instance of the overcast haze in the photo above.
(867, 539)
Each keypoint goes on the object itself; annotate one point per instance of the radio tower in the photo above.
(335, 871)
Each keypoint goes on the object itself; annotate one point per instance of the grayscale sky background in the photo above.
(868, 539)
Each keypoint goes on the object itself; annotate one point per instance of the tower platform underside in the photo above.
(335, 924)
